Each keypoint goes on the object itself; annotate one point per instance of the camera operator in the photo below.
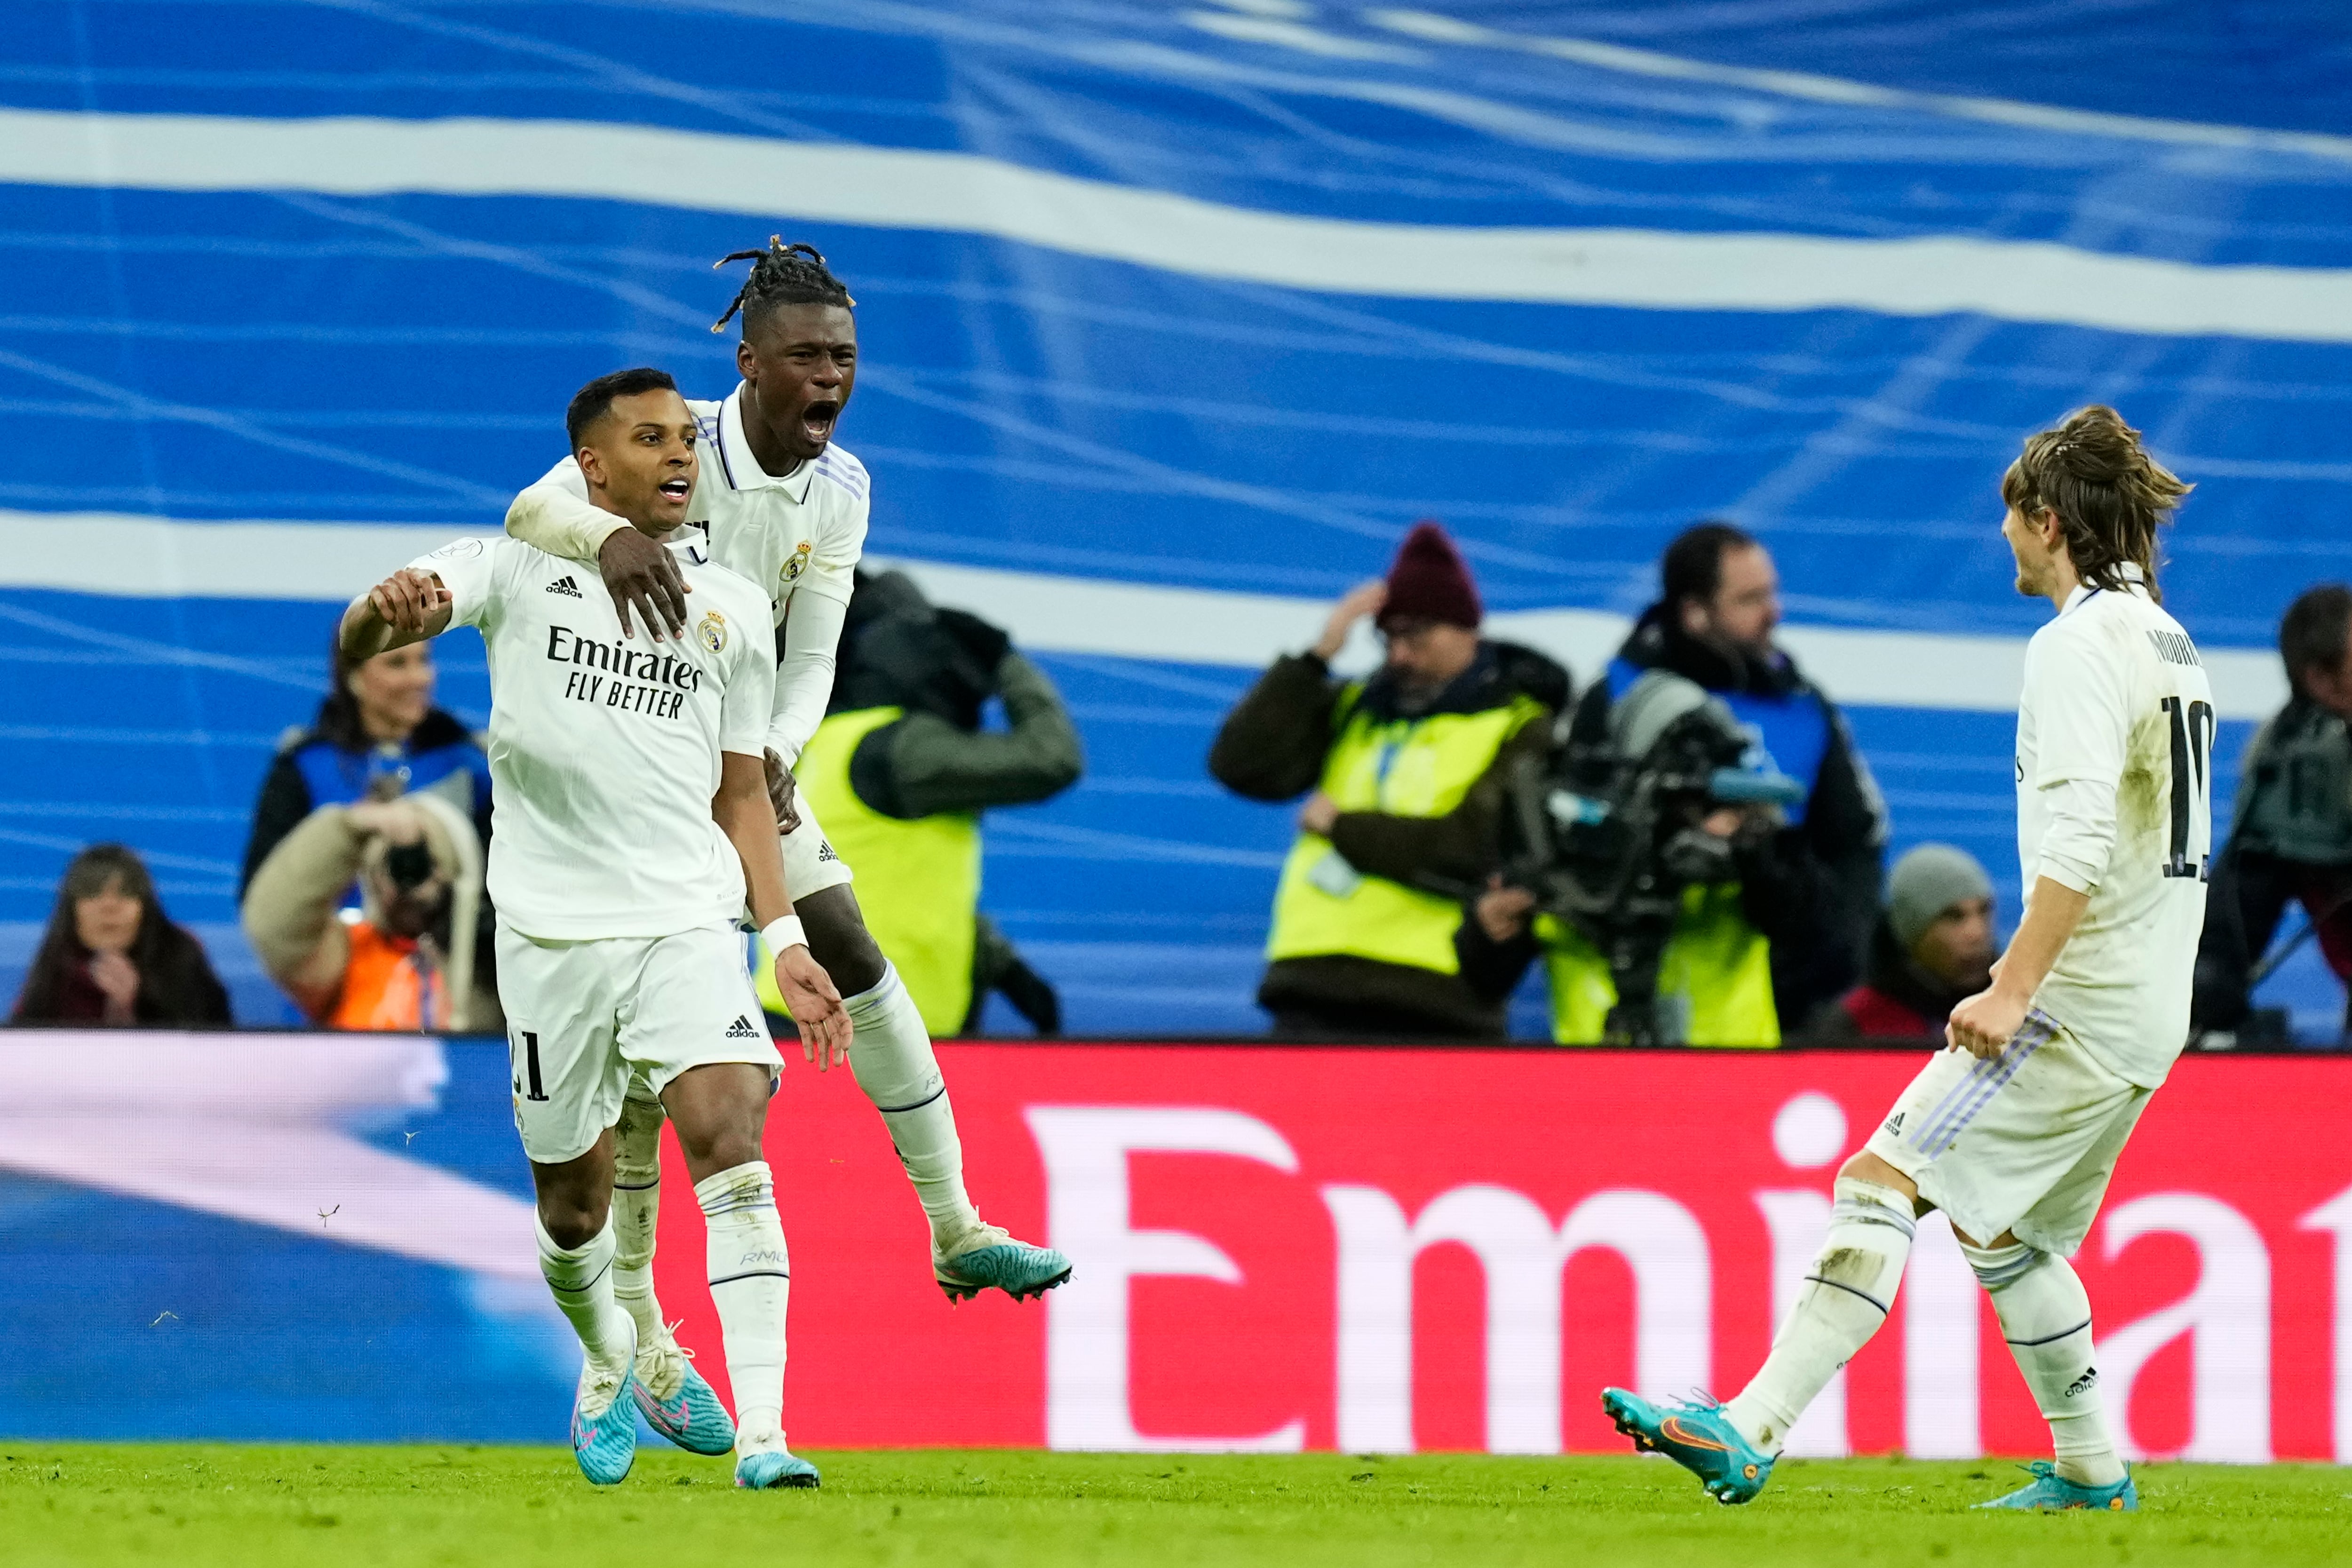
(1754, 950)
(393, 964)
(1628, 864)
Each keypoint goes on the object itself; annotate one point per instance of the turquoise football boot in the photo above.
(992, 1259)
(2053, 1493)
(605, 1422)
(772, 1467)
(677, 1401)
(1698, 1438)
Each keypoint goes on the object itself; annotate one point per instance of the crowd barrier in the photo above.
(294, 1237)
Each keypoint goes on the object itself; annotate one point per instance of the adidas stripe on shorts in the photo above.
(2023, 1142)
(583, 1015)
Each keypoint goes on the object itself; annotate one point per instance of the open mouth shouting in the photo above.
(675, 493)
(817, 420)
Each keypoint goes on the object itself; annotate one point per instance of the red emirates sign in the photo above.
(1387, 1250)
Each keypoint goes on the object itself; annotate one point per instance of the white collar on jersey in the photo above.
(2129, 571)
(741, 469)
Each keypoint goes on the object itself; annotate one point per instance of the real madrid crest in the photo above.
(796, 563)
(712, 630)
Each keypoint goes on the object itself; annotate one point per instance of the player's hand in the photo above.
(1364, 599)
(643, 576)
(808, 991)
(1503, 911)
(408, 600)
(1985, 1024)
(784, 794)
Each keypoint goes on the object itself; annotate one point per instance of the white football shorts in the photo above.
(2023, 1142)
(584, 1016)
(810, 864)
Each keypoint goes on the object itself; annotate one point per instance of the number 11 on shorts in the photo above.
(531, 1065)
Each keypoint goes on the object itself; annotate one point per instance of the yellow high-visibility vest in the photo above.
(917, 881)
(1715, 960)
(1403, 767)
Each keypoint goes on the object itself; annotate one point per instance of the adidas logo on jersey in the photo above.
(565, 585)
(825, 852)
(743, 1028)
(1895, 1125)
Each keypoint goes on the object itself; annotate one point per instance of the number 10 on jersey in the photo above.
(2192, 788)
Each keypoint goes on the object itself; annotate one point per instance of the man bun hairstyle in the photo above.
(2110, 496)
(782, 275)
(2312, 633)
(1692, 567)
(596, 400)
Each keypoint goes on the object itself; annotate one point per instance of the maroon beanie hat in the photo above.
(1430, 582)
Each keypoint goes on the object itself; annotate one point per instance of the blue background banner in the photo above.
(1149, 297)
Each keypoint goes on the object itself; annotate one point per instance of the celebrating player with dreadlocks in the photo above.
(785, 507)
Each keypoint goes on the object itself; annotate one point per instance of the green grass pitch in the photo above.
(192, 1505)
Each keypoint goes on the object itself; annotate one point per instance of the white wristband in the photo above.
(780, 934)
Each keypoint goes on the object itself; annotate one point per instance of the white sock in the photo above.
(636, 1209)
(1846, 1297)
(750, 1284)
(2045, 1316)
(581, 1279)
(890, 1052)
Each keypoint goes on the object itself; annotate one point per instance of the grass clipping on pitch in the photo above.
(192, 1505)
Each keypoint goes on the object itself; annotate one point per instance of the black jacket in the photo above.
(1812, 889)
(1272, 747)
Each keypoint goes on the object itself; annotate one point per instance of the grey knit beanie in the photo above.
(1925, 882)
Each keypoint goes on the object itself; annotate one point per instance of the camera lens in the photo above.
(408, 864)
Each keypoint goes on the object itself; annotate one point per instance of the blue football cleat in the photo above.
(2053, 1493)
(604, 1424)
(677, 1401)
(774, 1468)
(994, 1260)
(1695, 1437)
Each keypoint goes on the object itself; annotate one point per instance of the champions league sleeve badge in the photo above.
(712, 630)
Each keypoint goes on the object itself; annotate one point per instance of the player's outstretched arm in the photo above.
(637, 572)
(1988, 1021)
(741, 810)
(408, 606)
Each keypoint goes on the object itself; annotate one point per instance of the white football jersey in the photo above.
(801, 532)
(604, 749)
(2114, 762)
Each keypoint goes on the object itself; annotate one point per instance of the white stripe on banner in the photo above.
(149, 557)
(963, 193)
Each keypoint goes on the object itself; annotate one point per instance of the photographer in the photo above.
(397, 965)
(376, 730)
(1779, 925)
(899, 772)
(1407, 772)
(2291, 837)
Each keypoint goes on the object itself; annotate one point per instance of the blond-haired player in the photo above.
(2014, 1132)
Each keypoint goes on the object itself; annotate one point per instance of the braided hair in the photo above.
(782, 275)
(2109, 495)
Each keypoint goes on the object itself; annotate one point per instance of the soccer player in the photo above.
(785, 506)
(2014, 1131)
(633, 818)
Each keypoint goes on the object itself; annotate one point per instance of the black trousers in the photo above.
(2244, 903)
